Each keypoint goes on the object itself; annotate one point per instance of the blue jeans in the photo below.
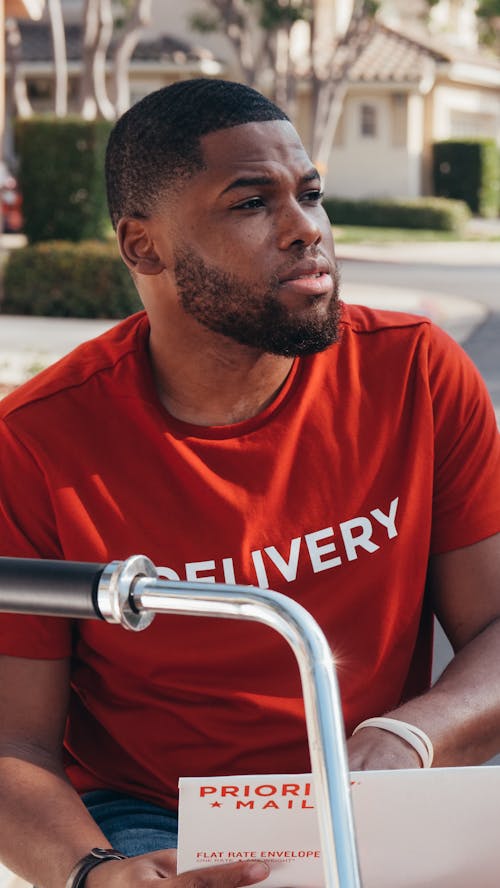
(131, 825)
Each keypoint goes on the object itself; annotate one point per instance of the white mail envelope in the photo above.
(436, 828)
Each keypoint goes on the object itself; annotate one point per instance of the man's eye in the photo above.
(313, 196)
(253, 203)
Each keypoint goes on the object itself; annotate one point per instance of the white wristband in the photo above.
(418, 739)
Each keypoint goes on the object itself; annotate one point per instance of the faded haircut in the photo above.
(156, 143)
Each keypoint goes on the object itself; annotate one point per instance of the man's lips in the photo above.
(308, 278)
(305, 269)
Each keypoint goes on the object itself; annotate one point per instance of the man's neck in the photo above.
(220, 383)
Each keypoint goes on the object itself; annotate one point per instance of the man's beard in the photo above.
(223, 303)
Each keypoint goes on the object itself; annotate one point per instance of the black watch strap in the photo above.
(80, 871)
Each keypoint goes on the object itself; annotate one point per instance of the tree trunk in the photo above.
(98, 30)
(60, 60)
(325, 137)
(18, 97)
(330, 88)
(240, 31)
(139, 17)
(282, 68)
(88, 104)
(105, 34)
(323, 69)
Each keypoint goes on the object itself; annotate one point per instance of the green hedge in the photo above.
(63, 279)
(61, 165)
(431, 213)
(469, 170)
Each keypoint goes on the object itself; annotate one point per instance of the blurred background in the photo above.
(397, 102)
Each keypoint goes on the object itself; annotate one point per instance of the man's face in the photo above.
(252, 246)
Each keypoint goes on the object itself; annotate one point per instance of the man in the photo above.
(247, 428)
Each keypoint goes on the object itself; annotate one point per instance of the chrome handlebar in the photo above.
(130, 593)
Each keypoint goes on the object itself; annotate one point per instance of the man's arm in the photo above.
(44, 826)
(461, 713)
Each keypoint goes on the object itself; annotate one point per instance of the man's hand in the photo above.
(148, 870)
(373, 749)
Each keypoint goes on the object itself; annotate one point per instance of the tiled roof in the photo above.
(36, 46)
(395, 57)
(36, 42)
(392, 56)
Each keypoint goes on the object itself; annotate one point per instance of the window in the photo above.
(470, 125)
(40, 89)
(368, 121)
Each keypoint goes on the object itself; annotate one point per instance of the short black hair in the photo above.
(157, 141)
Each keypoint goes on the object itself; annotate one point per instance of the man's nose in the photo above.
(298, 224)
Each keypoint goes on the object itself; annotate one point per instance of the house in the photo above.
(405, 93)
(420, 78)
(158, 59)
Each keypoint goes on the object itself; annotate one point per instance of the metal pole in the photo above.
(122, 598)
(129, 593)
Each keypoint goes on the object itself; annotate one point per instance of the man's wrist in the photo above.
(413, 736)
(95, 857)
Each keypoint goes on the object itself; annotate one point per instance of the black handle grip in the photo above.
(50, 588)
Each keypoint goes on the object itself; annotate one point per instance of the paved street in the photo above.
(457, 284)
(464, 270)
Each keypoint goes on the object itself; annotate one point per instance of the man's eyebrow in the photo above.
(311, 176)
(250, 181)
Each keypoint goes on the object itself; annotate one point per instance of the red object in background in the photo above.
(12, 201)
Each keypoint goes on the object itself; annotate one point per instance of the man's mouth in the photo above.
(305, 277)
(309, 284)
(308, 277)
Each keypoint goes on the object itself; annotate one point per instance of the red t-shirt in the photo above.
(375, 453)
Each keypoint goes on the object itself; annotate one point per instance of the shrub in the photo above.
(61, 165)
(63, 279)
(432, 213)
(469, 170)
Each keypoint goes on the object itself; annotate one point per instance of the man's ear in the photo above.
(137, 248)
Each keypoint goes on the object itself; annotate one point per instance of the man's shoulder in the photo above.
(76, 369)
(362, 319)
(385, 337)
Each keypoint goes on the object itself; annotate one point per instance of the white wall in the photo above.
(457, 20)
(465, 112)
(375, 166)
(172, 17)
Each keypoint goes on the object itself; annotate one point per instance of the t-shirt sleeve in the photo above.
(27, 530)
(466, 503)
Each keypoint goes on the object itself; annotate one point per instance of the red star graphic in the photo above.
(216, 805)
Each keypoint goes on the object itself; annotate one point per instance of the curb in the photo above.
(456, 253)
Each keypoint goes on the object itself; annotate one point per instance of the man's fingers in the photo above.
(159, 867)
(230, 875)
